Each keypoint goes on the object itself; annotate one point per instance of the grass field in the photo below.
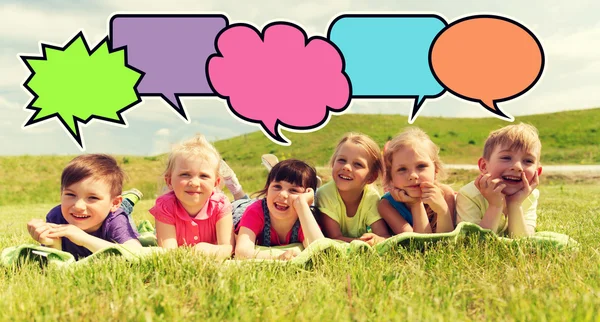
(475, 281)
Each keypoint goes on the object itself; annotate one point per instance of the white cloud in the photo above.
(584, 43)
(162, 132)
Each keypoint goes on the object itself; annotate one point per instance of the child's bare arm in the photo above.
(445, 221)
(310, 227)
(393, 219)
(78, 237)
(245, 247)
(516, 219)
(166, 235)
(225, 240)
(333, 230)
(491, 189)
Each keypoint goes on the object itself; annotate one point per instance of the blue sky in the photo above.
(570, 36)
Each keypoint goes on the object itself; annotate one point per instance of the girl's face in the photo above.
(351, 168)
(279, 201)
(193, 180)
(410, 168)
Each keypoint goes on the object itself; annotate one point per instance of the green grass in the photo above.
(480, 282)
(485, 281)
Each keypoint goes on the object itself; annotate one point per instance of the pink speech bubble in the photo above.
(278, 78)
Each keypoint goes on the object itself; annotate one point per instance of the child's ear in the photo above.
(168, 182)
(539, 171)
(116, 203)
(482, 163)
(217, 181)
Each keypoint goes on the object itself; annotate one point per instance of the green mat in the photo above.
(463, 231)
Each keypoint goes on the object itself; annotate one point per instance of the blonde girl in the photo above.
(348, 203)
(416, 201)
(194, 212)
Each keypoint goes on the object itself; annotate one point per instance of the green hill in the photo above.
(567, 138)
(571, 137)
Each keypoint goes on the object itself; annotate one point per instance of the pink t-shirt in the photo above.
(254, 219)
(192, 230)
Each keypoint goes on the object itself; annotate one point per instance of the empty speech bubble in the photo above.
(487, 59)
(387, 55)
(76, 84)
(278, 77)
(171, 49)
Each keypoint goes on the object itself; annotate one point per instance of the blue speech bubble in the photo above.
(387, 55)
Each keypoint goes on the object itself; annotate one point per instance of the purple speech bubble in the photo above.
(171, 49)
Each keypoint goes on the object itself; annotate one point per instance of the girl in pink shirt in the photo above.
(194, 212)
(284, 216)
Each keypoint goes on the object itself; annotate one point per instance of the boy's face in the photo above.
(193, 180)
(87, 203)
(508, 165)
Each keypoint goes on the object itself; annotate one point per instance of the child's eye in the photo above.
(402, 169)
(184, 175)
(358, 165)
(529, 161)
(276, 186)
(505, 158)
(94, 198)
(423, 165)
(69, 194)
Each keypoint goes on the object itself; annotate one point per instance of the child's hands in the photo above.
(289, 254)
(371, 239)
(433, 196)
(518, 197)
(73, 233)
(306, 197)
(490, 189)
(401, 196)
(39, 230)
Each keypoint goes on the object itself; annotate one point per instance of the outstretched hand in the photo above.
(288, 255)
(371, 239)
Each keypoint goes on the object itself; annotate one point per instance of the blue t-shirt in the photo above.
(115, 228)
(399, 207)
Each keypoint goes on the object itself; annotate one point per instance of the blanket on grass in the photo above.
(411, 241)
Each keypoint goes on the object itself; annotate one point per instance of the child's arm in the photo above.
(310, 227)
(393, 219)
(516, 219)
(78, 237)
(244, 247)
(441, 200)
(39, 230)
(379, 233)
(492, 192)
(166, 235)
(225, 239)
(332, 229)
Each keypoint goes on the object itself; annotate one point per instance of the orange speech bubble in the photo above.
(486, 59)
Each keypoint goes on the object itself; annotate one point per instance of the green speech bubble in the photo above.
(75, 84)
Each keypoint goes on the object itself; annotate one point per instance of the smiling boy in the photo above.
(89, 216)
(504, 196)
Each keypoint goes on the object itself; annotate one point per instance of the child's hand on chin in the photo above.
(402, 196)
(491, 189)
(518, 197)
(433, 196)
(73, 233)
(307, 197)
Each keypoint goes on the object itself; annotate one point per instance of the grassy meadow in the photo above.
(466, 282)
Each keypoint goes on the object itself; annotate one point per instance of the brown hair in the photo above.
(373, 151)
(416, 138)
(515, 137)
(99, 166)
(294, 171)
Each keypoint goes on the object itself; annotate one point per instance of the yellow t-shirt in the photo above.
(329, 202)
(471, 206)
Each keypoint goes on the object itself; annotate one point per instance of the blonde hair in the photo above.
(413, 137)
(515, 137)
(372, 149)
(197, 146)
